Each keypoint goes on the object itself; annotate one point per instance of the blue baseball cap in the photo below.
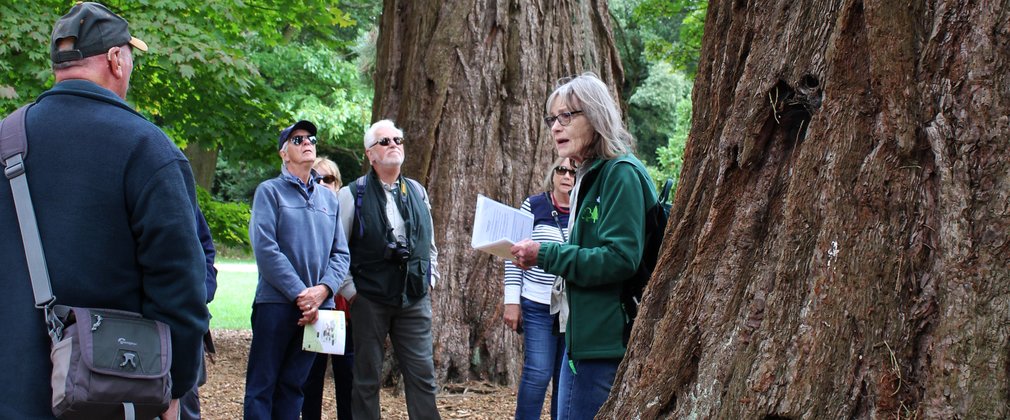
(286, 133)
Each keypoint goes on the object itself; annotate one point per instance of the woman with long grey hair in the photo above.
(612, 193)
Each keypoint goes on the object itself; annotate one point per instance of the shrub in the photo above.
(229, 222)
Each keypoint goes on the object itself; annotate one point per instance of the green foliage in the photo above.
(671, 158)
(317, 83)
(660, 112)
(672, 31)
(659, 42)
(24, 51)
(236, 180)
(201, 81)
(229, 222)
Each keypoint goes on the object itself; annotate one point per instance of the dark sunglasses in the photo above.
(561, 170)
(385, 140)
(326, 179)
(564, 118)
(297, 140)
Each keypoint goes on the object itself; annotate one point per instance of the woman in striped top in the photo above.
(528, 295)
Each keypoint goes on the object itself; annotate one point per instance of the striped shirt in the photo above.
(534, 284)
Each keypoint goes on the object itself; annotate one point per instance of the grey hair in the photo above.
(87, 60)
(370, 132)
(589, 94)
(68, 64)
(548, 183)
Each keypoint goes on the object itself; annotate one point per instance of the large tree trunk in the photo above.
(467, 81)
(838, 245)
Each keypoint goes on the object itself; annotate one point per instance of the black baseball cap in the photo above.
(95, 28)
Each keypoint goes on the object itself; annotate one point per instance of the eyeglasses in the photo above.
(297, 140)
(564, 118)
(562, 170)
(326, 179)
(385, 141)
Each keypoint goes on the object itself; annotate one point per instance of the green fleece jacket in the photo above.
(604, 251)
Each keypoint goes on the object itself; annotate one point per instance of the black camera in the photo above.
(396, 252)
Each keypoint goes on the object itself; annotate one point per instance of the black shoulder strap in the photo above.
(13, 149)
(664, 197)
(358, 198)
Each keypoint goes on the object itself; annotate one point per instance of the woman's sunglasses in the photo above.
(327, 179)
(561, 170)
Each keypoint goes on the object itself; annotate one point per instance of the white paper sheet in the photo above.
(496, 227)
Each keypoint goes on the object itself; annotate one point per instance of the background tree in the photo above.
(838, 245)
(467, 81)
(660, 110)
(658, 42)
(203, 81)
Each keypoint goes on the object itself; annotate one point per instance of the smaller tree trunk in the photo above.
(204, 163)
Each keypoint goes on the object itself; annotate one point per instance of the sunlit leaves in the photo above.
(659, 42)
(200, 80)
(672, 30)
(663, 111)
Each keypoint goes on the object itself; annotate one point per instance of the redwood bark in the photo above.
(467, 81)
(838, 244)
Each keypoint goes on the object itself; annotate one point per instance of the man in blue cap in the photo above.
(301, 253)
(116, 208)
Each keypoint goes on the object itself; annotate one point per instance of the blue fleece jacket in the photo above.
(296, 238)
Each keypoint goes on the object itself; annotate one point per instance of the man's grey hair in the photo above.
(587, 93)
(370, 132)
(85, 61)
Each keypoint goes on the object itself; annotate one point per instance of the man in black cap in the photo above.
(302, 259)
(116, 208)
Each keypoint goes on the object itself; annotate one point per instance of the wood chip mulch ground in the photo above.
(221, 397)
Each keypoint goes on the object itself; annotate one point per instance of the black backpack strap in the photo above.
(664, 197)
(358, 199)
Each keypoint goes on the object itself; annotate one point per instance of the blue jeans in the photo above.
(542, 361)
(343, 375)
(583, 392)
(277, 365)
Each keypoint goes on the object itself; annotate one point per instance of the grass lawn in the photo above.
(232, 303)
